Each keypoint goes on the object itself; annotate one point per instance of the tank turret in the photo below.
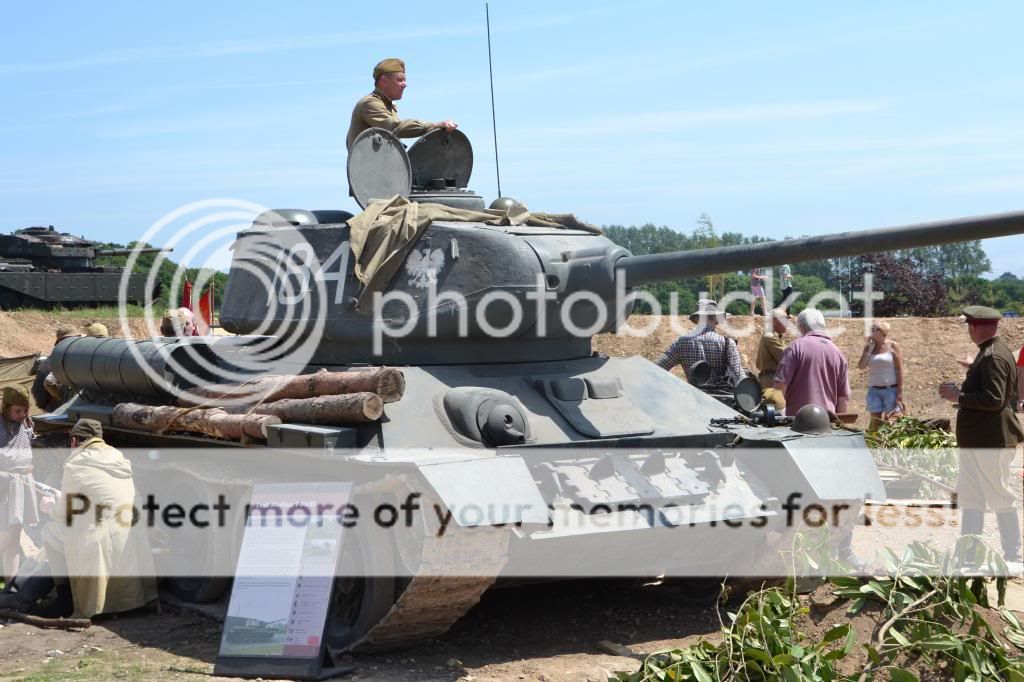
(441, 306)
(41, 266)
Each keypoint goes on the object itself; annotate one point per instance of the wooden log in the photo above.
(210, 421)
(387, 382)
(40, 622)
(351, 408)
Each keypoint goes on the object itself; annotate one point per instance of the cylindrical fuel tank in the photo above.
(153, 368)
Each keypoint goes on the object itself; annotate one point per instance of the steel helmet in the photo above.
(812, 420)
(504, 204)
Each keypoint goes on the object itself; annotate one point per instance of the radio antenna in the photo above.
(494, 120)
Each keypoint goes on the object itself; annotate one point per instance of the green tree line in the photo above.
(169, 296)
(928, 281)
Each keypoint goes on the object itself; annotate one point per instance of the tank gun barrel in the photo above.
(699, 262)
(128, 252)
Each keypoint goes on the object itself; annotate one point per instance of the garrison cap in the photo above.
(86, 429)
(982, 314)
(66, 330)
(389, 65)
(15, 394)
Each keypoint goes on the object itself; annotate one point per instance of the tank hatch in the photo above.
(441, 160)
(378, 167)
(436, 169)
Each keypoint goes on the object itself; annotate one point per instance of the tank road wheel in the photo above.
(439, 579)
(197, 568)
(364, 590)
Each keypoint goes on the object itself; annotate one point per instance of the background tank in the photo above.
(532, 416)
(40, 266)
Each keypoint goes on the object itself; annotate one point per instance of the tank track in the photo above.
(454, 572)
(449, 572)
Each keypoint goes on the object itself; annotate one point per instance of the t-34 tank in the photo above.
(506, 410)
(41, 267)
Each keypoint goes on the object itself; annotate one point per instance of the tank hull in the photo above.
(33, 289)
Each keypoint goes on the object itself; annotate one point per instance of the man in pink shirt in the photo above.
(812, 371)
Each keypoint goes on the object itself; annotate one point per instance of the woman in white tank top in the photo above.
(883, 359)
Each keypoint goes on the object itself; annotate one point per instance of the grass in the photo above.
(107, 312)
(932, 619)
(107, 665)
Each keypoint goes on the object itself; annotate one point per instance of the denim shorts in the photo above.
(881, 399)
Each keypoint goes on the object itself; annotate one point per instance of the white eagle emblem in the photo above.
(423, 267)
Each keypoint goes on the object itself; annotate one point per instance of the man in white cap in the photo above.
(705, 344)
(378, 110)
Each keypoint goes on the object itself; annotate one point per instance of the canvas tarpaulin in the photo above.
(19, 371)
(382, 235)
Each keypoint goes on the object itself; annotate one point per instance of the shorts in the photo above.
(757, 291)
(881, 399)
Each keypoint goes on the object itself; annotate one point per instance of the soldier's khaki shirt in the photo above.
(769, 353)
(376, 110)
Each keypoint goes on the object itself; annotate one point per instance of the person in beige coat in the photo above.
(102, 565)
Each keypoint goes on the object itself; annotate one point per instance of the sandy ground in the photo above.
(26, 332)
(931, 347)
(540, 632)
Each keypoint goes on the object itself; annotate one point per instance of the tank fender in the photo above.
(488, 491)
(828, 467)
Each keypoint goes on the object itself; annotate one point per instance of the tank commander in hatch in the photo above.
(378, 110)
(706, 344)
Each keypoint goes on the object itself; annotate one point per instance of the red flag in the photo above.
(204, 321)
(186, 294)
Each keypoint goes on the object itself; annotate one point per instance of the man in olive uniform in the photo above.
(378, 110)
(987, 432)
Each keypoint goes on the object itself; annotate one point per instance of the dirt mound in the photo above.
(26, 332)
(931, 347)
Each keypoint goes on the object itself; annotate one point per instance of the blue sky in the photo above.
(774, 118)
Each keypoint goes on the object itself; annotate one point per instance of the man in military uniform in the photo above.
(987, 432)
(769, 353)
(378, 110)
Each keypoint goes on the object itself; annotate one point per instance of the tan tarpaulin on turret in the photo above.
(382, 235)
